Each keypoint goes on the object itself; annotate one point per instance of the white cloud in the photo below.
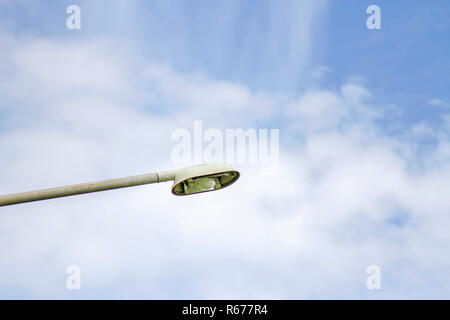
(438, 102)
(320, 72)
(435, 102)
(324, 109)
(309, 231)
(219, 102)
(422, 129)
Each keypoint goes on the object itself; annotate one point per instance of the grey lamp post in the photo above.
(189, 180)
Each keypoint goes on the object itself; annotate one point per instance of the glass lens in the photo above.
(201, 185)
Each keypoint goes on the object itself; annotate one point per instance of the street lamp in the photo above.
(189, 180)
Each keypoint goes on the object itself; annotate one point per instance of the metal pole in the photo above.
(86, 188)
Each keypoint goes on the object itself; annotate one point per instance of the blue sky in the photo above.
(406, 61)
(364, 126)
(228, 40)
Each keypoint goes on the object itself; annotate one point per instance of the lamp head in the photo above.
(203, 178)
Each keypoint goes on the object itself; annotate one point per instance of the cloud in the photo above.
(320, 72)
(437, 102)
(217, 102)
(80, 111)
(324, 109)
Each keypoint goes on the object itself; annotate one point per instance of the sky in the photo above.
(364, 148)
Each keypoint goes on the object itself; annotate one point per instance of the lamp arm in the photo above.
(86, 187)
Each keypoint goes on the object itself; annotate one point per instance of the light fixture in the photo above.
(189, 180)
(203, 178)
